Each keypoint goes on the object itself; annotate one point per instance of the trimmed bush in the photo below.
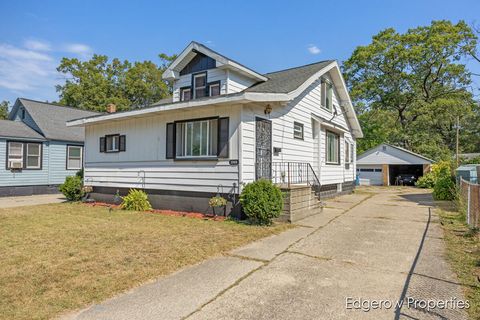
(262, 201)
(426, 181)
(444, 188)
(72, 188)
(136, 200)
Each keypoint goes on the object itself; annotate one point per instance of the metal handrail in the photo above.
(288, 173)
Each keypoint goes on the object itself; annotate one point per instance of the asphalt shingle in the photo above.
(17, 129)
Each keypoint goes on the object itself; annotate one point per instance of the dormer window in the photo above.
(185, 94)
(200, 85)
(214, 89)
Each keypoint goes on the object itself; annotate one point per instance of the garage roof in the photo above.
(388, 154)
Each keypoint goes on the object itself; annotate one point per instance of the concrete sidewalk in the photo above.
(11, 202)
(383, 245)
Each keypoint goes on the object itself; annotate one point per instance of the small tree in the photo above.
(72, 188)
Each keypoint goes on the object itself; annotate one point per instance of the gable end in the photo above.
(199, 63)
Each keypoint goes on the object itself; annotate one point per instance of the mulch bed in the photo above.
(197, 215)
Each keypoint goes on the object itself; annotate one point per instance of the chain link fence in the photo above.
(470, 198)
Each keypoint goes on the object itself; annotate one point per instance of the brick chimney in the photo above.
(111, 108)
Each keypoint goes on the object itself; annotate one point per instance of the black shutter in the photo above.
(170, 141)
(223, 137)
(122, 143)
(102, 144)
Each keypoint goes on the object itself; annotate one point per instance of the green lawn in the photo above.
(60, 257)
(463, 252)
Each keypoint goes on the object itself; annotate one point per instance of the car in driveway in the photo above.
(406, 180)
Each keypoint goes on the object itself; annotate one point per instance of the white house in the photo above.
(226, 125)
(386, 164)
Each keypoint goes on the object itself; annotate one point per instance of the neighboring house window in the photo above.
(33, 156)
(333, 147)
(23, 114)
(200, 85)
(197, 138)
(347, 152)
(214, 89)
(185, 94)
(326, 95)
(24, 155)
(15, 155)
(298, 130)
(74, 157)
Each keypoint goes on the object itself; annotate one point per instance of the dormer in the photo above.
(199, 72)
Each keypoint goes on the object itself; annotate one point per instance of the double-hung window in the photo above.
(74, 157)
(333, 148)
(214, 89)
(112, 143)
(15, 155)
(24, 155)
(326, 95)
(185, 94)
(298, 130)
(200, 85)
(197, 138)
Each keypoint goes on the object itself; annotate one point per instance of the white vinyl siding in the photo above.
(143, 164)
(312, 148)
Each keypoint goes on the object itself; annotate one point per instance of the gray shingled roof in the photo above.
(51, 119)
(286, 81)
(17, 129)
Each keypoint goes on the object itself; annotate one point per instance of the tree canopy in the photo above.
(4, 109)
(410, 88)
(95, 83)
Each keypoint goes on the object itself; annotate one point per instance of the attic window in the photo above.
(326, 95)
(214, 89)
(185, 94)
(200, 85)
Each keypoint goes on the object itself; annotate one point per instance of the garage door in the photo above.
(370, 176)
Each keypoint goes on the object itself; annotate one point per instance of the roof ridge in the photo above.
(57, 105)
(298, 67)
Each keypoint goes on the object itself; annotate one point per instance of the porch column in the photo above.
(385, 175)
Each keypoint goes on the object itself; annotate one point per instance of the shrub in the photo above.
(217, 201)
(79, 173)
(426, 181)
(72, 188)
(262, 201)
(136, 200)
(444, 188)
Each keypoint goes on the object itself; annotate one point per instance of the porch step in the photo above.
(299, 202)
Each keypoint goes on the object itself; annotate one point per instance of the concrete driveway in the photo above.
(11, 202)
(364, 253)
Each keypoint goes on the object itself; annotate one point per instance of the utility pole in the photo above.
(458, 140)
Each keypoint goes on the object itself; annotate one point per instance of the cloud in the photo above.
(80, 49)
(37, 45)
(23, 69)
(313, 49)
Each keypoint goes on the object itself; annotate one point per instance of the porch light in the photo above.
(268, 109)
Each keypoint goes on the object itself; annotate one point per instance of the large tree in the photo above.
(413, 86)
(4, 109)
(95, 83)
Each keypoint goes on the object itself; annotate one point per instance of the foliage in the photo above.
(217, 201)
(409, 88)
(4, 109)
(72, 188)
(426, 181)
(262, 201)
(136, 200)
(95, 83)
(444, 188)
(79, 173)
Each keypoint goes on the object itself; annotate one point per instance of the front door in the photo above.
(263, 148)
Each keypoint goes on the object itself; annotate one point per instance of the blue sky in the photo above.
(264, 35)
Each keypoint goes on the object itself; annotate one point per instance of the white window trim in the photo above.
(301, 131)
(324, 83)
(195, 88)
(68, 158)
(39, 156)
(185, 146)
(337, 146)
(20, 160)
(115, 144)
(210, 89)
(182, 94)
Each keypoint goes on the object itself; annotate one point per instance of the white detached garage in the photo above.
(387, 164)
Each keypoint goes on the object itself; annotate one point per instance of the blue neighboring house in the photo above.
(37, 149)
